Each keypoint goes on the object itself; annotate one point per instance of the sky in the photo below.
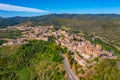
(10, 8)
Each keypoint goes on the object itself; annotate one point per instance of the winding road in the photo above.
(71, 75)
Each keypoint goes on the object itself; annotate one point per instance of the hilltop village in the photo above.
(81, 48)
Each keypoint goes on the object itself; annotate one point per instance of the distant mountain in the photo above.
(55, 18)
(4, 22)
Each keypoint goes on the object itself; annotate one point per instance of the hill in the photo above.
(25, 58)
(37, 60)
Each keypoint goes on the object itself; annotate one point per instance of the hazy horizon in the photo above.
(61, 14)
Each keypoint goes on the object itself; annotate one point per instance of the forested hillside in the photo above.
(59, 19)
(37, 60)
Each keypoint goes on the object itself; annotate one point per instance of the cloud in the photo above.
(8, 7)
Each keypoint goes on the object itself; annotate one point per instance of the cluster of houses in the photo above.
(14, 41)
(83, 49)
(39, 33)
